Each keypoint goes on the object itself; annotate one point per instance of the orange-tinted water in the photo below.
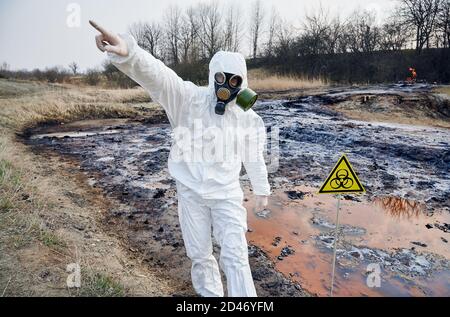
(389, 223)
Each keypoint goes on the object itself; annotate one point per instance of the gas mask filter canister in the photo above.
(228, 87)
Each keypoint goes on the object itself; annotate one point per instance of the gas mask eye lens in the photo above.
(235, 81)
(219, 78)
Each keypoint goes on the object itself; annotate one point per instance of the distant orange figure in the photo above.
(413, 77)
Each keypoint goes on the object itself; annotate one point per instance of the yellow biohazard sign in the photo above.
(342, 179)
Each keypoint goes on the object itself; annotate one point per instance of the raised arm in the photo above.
(162, 83)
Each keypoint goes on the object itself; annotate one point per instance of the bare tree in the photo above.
(238, 28)
(273, 27)
(137, 31)
(316, 33)
(192, 26)
(232, 30)
(4, 70)
(256, 25)
(422, 16)
(443, 23)
(185, 39)
(337, 41)
(284, 38)
(173, 28)
(210, 33)
(148, 36)
(393, 35)
(74, 68)
(153, 34)
(322, 34)
(362, 32)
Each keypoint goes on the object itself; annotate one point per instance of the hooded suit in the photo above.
(206, 160)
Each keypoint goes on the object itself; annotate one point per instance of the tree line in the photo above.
(198, 32)
(108, 75)
(186, 38)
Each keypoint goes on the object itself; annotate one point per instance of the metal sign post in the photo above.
(336, 234)
(342, 180)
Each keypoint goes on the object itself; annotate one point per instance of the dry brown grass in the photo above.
(261, 80)
(28, 104)
(416, 111)
(38, 213)
(443, 90)
(32, 104)
(21, 227)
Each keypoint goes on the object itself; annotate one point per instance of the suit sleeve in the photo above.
(253, 160)
(163, 84)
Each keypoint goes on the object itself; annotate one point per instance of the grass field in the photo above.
(262, 80)
(25, 104)
(41, 209)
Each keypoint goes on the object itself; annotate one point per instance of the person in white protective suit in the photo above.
(209, 193)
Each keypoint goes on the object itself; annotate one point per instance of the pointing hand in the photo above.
(109, 41)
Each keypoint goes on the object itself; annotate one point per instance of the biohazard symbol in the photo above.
(342, 179)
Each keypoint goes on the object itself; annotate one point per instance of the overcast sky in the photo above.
(35, 33)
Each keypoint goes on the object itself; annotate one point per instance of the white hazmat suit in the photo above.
(209, 193)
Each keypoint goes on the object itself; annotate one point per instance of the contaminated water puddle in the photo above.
(391, 233)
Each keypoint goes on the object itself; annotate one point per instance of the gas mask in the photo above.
(228, 87)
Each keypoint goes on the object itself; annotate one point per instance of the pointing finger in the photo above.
(99, 28)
